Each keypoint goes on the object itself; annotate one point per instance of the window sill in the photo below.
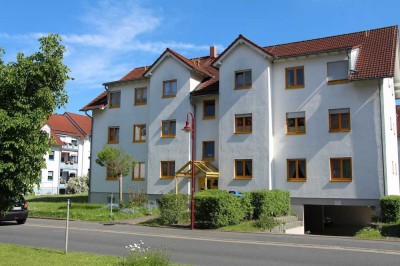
(113, 107)
(243, 132)
(243, 177)
(243, 87)
(296, 133)
(168, 136)
(168, 96)
(339, 130)
(112, 142)
(341, 179)
(139, 141)
(208, 159)
(295, 87)
(208, 117)
(296, 180)
(139, 104)
(111, 179)
(167, 177)
(137, 179)
(340, 81)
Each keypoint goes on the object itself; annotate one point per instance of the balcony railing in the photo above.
(70, 147)
(69, 165)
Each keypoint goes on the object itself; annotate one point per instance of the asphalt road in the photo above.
(204, 247)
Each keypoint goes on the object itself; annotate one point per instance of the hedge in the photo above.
(217, 208)
(173, 208)
(390, 208)
(270, 202)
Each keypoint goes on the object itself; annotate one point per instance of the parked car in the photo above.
(236, 193)
(18, 213)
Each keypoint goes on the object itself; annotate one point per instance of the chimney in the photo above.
(213, 51)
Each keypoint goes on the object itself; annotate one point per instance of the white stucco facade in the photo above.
(369, 143)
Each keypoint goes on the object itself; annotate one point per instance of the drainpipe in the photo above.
(383, 149)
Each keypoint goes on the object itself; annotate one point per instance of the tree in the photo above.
(117, 162)
(30, 90)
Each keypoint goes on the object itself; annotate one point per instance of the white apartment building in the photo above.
(69, 154)
(314, 117)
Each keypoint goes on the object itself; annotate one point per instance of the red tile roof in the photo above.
(82, 122)
(376, 59)
(69, 124)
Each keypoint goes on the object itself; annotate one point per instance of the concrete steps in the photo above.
(290, 225)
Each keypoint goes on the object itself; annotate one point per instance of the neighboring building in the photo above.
(69, 154)
(313, 117)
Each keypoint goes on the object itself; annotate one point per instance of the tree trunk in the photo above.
(120, 189)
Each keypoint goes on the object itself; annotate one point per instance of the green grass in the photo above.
(247, 226)
(56, 207)
(369, 233)
(18, 255)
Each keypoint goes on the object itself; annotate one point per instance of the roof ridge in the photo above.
(328, 37)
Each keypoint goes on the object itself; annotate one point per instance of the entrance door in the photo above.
(212, 183)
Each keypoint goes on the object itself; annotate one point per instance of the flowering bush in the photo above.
(139, 255)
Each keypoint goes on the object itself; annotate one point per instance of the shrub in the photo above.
(270, 202)
(138, 199)
(217, 208)
(390, 207)
(247, 206)
(369, 233)
(266, 222)
(78, 184)
(173, 208)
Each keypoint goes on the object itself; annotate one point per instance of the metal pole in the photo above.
(193, 154)
(111, 205)
(67, 227)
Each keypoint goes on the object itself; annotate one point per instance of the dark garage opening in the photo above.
(336, 220)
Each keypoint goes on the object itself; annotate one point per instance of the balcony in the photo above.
(69, 165)
(70, 147)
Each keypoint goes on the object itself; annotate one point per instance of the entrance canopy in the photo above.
(202, 169)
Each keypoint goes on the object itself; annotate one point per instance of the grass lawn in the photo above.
(19, 255)
(56, 207)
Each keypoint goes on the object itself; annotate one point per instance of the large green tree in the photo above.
(117, 161)
(31, 88)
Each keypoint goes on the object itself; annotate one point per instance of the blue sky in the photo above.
(106, 39)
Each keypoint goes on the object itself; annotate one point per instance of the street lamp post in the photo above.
(190, 127)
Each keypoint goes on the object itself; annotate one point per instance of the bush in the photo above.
(217, 208)
(266, 222)
(138, 199)
(248, 208)
(369, 233)
(390, 207)
(270, 202)
(173, 208)
(78, 184)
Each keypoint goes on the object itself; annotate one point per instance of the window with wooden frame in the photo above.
(294, 77)
(209, 109)
(113, 135)
(169, 88)
(243, 123)
(167, 169)
(114, 100)
(296, 123)
(138, 171)
(341, 169)
(296, 170)
(140, 96)
(110, 174)
(208, 150)
(50, 175)
(168, 129)
(243, 79)
(338, 72)
(139, 133)
(243, 168)
(339, 120)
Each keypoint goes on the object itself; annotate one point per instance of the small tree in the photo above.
(117, 161)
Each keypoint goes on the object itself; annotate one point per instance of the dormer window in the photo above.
(243, 79)
(338, 72)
